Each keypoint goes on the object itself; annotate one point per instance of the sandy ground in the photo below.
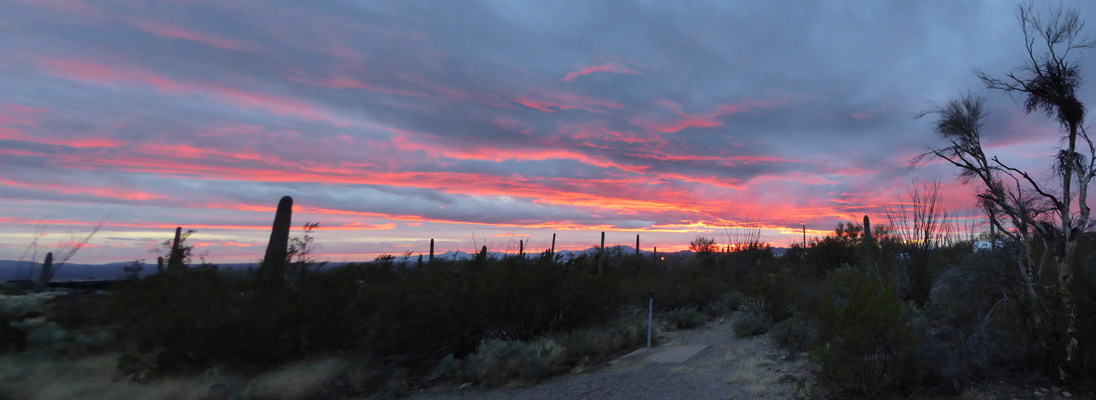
(730, 368)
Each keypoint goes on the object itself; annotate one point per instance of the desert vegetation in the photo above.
(848, 301)
(895, 306)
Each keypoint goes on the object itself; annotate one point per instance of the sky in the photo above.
(484, 122)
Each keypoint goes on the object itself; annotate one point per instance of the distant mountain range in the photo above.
(16, 270)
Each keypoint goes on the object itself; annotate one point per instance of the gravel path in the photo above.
(730, 368)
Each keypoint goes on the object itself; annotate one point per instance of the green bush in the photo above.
(726, 304)
(600, 343)
(792, 333)
(685, 318)
(500, 361)
(869, 347)
(749, 324)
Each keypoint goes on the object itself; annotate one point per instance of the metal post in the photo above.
(650, 316)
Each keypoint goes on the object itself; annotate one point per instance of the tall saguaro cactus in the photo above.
(175, 260)
(553, 251)
(869, 246)
(276, 250)
(431, 250)
(637, 245)
(867, 229)
(601, 253)
(521, 248)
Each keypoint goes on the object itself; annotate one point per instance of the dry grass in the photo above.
(753, 373)
(303, 380)
(34, 377)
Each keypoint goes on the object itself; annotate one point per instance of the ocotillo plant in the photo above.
(175, 260)
(274, 262)
(47, 272)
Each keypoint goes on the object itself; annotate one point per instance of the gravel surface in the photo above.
(730, 368)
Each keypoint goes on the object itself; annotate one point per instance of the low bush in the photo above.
(726, 304)
(749, 324)
(600, 343)
(685, 318)
(869, 346)
(501, 361)
(793, 334)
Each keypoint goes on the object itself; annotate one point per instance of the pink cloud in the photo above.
(17, 114)
(611, 67)
(173, 32)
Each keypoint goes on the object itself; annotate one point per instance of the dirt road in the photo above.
(730, 368)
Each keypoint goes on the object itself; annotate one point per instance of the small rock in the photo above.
(1067, 394)
(465, 385)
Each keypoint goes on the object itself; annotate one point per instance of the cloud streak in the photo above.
(393, 123)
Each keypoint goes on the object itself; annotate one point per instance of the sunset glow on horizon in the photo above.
(483, 122)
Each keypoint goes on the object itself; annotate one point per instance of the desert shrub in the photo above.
(793, 334)
(403, 317)
(727, 303)
(19, 315)
(600, 343)
(1084, 364)
(868, 345)
(980, 325)
(685, 318)
(774, 292)
(749, 324)
(301, 380)
(500, 361)
(830, 252)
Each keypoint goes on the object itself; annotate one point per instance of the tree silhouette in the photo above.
(1017, 204)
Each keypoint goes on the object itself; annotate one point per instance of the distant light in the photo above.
(663, 258)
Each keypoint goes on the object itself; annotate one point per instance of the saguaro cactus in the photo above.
(175, 260)
(431, 249)
(869, 246)
(521, 248)
(553, 250)
(159, 264)
(601, 253)
(276, 250)
(867, 229)
(482, 257)
(637, 245)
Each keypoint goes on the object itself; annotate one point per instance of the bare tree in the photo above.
(1017, 204)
